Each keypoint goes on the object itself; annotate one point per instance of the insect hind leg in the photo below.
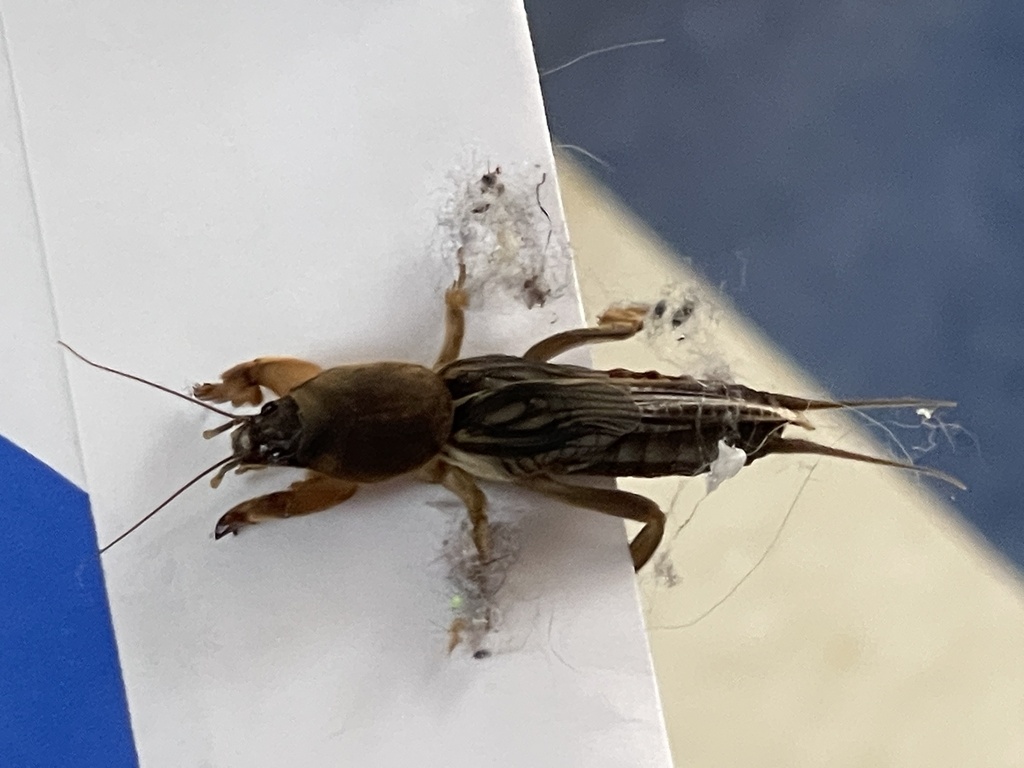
(611, 501)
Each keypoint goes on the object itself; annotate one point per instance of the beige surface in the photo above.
(878, 631)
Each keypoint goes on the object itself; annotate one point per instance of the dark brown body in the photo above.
(371, 422)
(507, 418)
(532, 418)
(515, 419)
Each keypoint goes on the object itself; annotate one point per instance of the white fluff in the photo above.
(730, 461)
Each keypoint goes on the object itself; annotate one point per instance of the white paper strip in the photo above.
(221, 181)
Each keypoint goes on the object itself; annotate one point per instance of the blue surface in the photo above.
(62, 699)
(852, 172)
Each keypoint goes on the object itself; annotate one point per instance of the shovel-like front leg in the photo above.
(314, 494)
(241, 384)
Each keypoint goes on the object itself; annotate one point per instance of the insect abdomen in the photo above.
(654, 455)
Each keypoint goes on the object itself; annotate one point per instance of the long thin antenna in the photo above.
(167, 501)
(585, 153)
(141, 380)
(607, 49)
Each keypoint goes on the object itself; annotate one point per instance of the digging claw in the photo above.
(207, 392)
(234, 389)
(230, 522)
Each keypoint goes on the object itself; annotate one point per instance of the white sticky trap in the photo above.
(216, 182)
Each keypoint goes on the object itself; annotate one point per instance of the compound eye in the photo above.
(269, 408)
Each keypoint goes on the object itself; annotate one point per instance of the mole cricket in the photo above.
(521, 420)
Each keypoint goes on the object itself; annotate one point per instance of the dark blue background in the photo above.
(62, 699)
(858, 163)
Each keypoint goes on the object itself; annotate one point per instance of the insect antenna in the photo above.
(141, 380)
(223, 464)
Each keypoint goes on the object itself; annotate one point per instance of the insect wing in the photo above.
(567, 417)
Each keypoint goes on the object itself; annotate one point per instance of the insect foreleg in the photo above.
(611, 501)
(241, 384)
(615, 324)
(314, 494)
